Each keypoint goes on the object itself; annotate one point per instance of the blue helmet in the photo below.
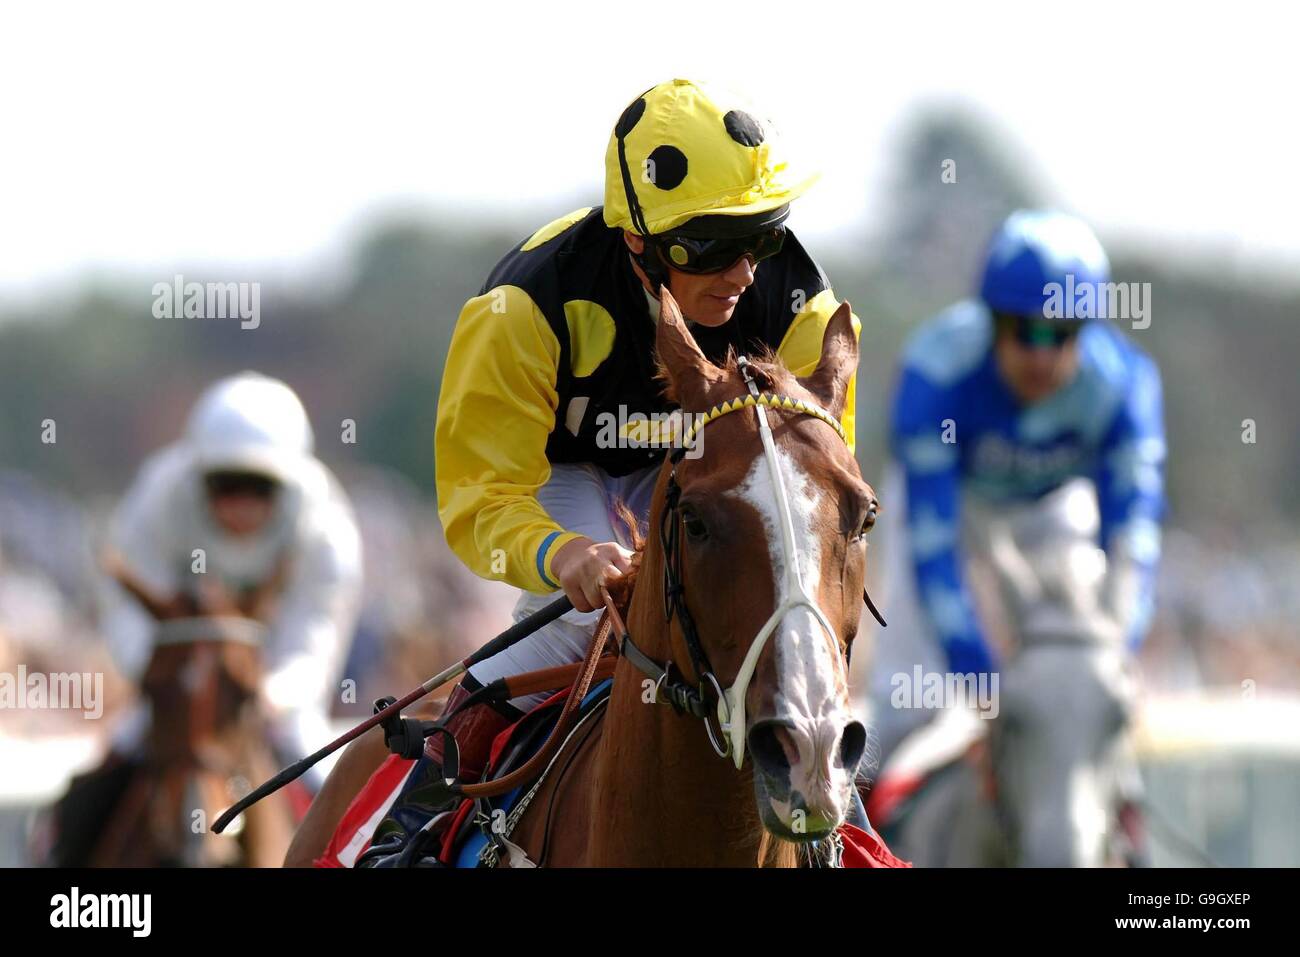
(1046, 264)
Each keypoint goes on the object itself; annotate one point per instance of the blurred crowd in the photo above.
(1225, 615)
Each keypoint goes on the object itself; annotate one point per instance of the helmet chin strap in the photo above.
(654, 279)
(794, 594)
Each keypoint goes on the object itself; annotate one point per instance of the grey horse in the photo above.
(1046, 777)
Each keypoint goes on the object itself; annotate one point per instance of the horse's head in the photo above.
(771, 553)
(201, 683)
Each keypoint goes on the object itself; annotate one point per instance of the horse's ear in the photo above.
(690, 373)
(829, 382)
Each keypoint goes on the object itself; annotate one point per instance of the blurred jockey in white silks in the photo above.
(242, 485)
(1029, 443)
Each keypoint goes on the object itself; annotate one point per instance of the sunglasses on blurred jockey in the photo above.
(697, 256)
(252, 484)
(1034, 333)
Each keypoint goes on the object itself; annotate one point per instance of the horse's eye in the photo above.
(868, 522)
(694, 525)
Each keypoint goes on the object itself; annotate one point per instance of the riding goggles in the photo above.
(254, 484)
(697, 256)
(1034, 332)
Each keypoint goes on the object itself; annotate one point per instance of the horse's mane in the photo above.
(621, 591)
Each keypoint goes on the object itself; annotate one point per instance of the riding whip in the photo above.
(515, 633)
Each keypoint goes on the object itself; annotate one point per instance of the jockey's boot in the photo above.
(410, 835)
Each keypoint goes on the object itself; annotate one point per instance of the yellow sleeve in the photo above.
(496, 410)
(802, 348)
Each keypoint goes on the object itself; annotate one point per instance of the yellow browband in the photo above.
(768, 400)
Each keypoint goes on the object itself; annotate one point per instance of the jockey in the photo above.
(1009, 402)
(549, 396)
(238, 506)
(243, 486)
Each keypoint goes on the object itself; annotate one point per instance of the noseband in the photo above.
(708, 696)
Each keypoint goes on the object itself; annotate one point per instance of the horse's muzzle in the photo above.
(803, 774)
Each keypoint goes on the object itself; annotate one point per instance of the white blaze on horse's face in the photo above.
(811, 703)
(809, 697)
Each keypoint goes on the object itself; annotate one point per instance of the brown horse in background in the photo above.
(639, 783)
(205, 748)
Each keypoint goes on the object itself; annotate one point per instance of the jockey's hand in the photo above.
(583, 567)
(161, 607)
(209, 599)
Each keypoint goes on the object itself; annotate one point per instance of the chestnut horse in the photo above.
(760, 542)
(205, 748)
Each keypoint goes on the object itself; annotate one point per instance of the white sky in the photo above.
(149, 136)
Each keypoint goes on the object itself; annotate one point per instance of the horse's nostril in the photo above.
(765, 745)
(853, 744)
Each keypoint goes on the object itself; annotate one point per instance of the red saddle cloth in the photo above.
(866, 850)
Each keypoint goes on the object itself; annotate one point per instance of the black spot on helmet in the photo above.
(668, 167)
(631, 116)
(743, 128)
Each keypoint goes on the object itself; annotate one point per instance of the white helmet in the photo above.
(250, 422)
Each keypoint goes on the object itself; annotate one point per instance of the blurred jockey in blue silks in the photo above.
(1016, 405)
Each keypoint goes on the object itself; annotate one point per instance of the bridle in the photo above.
(701, 700)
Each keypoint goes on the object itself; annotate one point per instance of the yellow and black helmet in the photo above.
(679, 152)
